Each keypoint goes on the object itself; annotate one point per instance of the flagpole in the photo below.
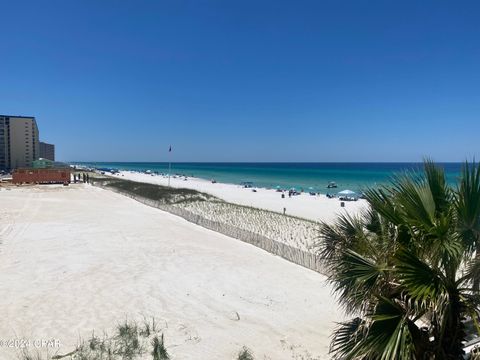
(169, 171)
(169, 164)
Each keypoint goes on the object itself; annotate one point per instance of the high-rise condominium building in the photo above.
(47, 151)
(19, 144)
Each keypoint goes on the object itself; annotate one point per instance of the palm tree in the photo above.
(405, 269)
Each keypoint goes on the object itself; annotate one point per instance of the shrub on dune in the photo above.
(159, 351)
(245, 354)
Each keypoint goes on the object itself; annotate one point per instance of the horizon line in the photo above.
(272, 162)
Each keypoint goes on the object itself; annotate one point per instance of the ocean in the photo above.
(306, 176)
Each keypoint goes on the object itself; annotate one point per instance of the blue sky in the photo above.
(246, 80)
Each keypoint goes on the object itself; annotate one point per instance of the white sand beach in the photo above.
(310, 207)
(76, 259)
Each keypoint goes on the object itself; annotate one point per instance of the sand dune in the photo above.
(81, 258)
(310, 207)
(295, 232)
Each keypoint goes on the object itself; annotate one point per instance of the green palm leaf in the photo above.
(357, 280)
(386, 337)
(421, 281)
(407, 262)
(467, 204)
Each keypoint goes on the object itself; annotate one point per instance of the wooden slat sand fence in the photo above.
(290, 253)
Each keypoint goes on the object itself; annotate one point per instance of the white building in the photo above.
(19, 144)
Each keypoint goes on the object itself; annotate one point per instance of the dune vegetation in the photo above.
(290, 230)
(130, 341)
(162, 194)
(293, 231)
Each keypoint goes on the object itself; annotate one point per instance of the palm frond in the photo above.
(470, 274)
(415, 201)
(400, 263)
(381, 200)
(422, 282)
(346, 339)
(358, 281)
(385, 336)
(372, 221)
(347, 232)
(435, 178)
(383, 237)
(390, 331)
(467, 205)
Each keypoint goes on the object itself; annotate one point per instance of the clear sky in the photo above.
(246, 80)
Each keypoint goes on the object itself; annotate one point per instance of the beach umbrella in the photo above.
(347, 192)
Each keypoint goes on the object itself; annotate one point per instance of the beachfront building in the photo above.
(19, 144)
(47, 151)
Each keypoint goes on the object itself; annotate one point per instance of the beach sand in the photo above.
(310, 207)
(76, 259)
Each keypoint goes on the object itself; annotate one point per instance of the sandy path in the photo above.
(81, 258)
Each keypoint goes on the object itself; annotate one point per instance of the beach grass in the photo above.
(163, 194)
(290, 237)
(170, 195)
(245, 354)
(130, 341)
(291, 230)
(159, 351)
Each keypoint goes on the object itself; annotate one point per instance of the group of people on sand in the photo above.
(293, 192)
(83, 177)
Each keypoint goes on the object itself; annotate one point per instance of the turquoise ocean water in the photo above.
(307, 176)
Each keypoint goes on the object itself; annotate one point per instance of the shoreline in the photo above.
(315, 176)
(306, 206)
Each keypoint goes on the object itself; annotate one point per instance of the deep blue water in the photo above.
(353, 176)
